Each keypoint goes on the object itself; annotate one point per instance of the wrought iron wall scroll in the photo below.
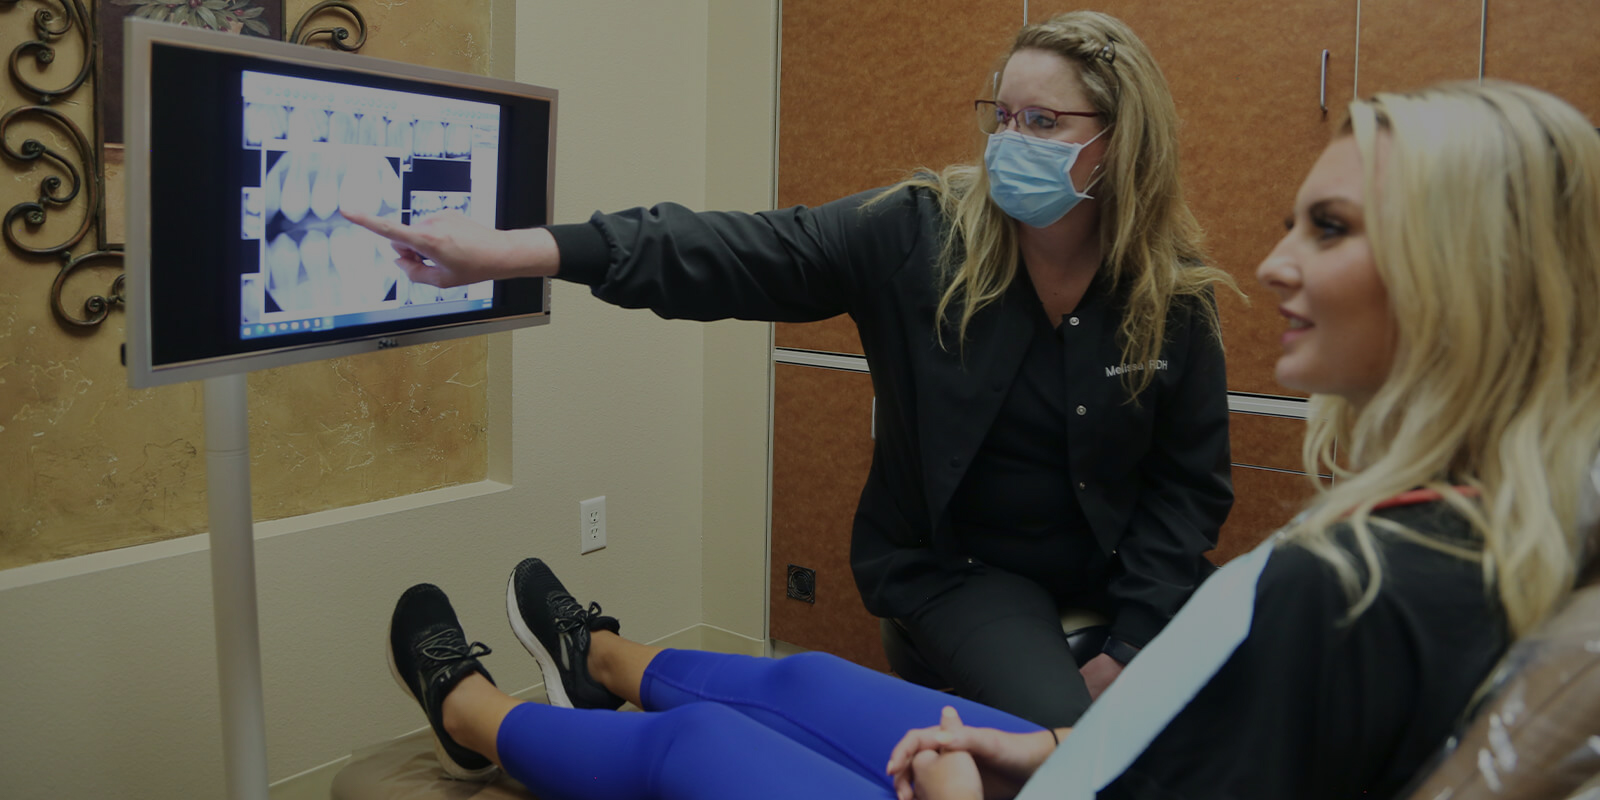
(77, 175)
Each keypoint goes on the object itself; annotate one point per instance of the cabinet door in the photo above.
(871, 91)
(1550, 44)
(1408, 44)
(821, 449)
(1269, 486)
(1246, 78)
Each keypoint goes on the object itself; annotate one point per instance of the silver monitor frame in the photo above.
(139, 37)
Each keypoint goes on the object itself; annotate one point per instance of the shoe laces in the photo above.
(570, 615)
(449, 646)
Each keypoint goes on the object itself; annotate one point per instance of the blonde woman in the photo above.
(1052, 410)
(1440, 279)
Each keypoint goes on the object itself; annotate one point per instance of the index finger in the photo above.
(390, 230)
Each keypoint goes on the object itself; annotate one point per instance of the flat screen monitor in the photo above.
(241, 153)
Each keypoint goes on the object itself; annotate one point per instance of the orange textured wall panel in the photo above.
(1551, 44)
(1263, 441)
(822, 448)
(1264, 501)
(871, 91)
(1246, 81)
(1406, 44)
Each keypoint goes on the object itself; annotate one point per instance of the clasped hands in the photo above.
(954, 762)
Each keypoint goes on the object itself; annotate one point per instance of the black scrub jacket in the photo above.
(1152, 477)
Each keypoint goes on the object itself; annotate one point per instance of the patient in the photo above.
(1440, 278)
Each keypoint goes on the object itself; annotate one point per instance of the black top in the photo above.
(1152, 478)
(1015, 509)
(1310, 707)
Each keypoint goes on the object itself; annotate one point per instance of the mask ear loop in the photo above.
(1095, 174)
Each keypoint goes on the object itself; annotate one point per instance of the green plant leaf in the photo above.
(258, 28)
(249, 13)
(208, 18)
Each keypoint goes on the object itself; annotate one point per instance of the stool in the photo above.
(1086, 632)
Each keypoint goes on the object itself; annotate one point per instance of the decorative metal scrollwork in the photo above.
(44, 52)
(96, 308)
(34, 213)
(80, 176)
(339, 36)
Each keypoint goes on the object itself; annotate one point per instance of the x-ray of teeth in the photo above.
(341, 128)
(308, 186)
(264, 123)
(323, 271)
(425, 204)
(429, 142)
(253, 226)
(327, 172)
(371, 129)
(308, 124)
(457, 140)
(400, 134)
(250, 299)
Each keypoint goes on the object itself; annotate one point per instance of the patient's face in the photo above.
(1340, 337)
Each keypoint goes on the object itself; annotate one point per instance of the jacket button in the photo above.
(971, 560)
(1082, 411)
(1072, 321)
(1081, 485)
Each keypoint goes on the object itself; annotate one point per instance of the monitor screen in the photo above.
(241, 154)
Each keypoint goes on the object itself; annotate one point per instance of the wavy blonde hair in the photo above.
(1485, 229)
(1151, 239)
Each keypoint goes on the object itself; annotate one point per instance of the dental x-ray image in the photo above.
(315, 259)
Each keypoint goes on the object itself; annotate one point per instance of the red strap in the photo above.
(1416, 496)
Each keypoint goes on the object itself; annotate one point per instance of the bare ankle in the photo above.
(456, 719)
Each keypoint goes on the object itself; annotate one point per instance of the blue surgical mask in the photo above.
(1030, 178)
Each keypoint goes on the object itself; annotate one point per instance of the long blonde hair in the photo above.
(1485, 229)
(1151, 239)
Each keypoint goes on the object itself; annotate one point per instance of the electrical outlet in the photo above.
(592, 524)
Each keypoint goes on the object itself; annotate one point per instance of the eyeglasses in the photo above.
(993, 117)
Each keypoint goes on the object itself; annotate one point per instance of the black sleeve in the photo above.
(1188, 491)
(790, 265)
(1305, 708)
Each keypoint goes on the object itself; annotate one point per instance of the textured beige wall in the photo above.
(91, 465)
(107, 677)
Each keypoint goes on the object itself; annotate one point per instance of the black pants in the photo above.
(997, 639)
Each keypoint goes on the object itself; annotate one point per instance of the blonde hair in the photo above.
(1151, 239)
(1484, 223)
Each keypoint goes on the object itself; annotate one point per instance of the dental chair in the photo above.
(1536, 736)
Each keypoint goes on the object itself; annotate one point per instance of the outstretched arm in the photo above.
(448, 249)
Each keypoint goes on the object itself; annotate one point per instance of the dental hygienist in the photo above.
(1052, 424)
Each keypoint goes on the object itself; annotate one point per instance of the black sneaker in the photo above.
(428, 656)
(555, 629)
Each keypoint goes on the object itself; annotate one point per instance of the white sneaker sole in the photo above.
(446, 763)
(554, 690)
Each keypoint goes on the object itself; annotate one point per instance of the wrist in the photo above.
(1119, 651)
(530, 253)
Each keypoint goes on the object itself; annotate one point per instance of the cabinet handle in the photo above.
(1323, 91)
(874, 430)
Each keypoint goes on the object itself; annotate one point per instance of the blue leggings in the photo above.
(807, 726)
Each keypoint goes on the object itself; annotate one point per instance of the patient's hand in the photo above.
(1099, 673)
(944, 776)
(1004, 761)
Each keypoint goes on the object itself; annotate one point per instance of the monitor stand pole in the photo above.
(233, 586)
